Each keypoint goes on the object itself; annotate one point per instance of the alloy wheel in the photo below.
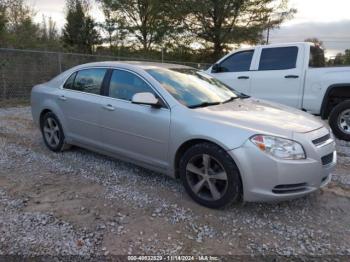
(51, 132)
(344, 121)
(206, 177)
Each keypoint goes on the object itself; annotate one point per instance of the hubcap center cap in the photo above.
(206, 175)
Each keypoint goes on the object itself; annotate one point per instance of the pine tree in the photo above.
(79, 33)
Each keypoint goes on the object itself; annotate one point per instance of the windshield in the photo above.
(192, 87)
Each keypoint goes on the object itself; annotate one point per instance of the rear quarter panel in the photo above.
(44, 97)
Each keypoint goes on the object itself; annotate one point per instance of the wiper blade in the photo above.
(231, 99)
(205, 104)
(244, 96)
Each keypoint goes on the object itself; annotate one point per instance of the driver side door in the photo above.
(235, 72)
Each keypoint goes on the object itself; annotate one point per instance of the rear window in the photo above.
(279, 58)
(317, 58)
(70, 82)
(86, 80)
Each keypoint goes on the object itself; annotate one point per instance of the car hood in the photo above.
(262, 116)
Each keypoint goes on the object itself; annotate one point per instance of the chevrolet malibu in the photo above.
(223, 145)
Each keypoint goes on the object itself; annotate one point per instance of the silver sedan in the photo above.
(223, 145)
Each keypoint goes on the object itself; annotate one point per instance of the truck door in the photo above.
(234, 71)
(279, 75)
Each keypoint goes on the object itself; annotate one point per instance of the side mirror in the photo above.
(216, 68)
(145, 98)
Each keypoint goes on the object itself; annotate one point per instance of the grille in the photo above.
(327, 159)
(321, 140)
(290, 188)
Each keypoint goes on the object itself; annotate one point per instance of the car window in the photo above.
(280, 58)
(238, 62)
(124, 85)
(70, 82)
(87, 80)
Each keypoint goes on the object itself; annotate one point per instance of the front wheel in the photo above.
(210, 176)
(339, 120)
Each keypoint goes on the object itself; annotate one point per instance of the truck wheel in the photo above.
(339, 120)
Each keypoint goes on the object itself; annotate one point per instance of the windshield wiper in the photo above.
(231, 99)
(204, 104)
(244, 96)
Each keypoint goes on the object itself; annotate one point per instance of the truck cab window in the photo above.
(279, 58)
(317, 58)
(238, 62)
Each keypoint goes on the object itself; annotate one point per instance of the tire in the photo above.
(52, 132)
(195, 176)
(339, 120)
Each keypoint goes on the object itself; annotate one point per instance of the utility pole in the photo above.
(280, 16)
(162, 54)
(268, 32)
(59, 59)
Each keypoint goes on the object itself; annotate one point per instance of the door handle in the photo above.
(109, 107)
(63, 98)
(291, 76)
(243, 77)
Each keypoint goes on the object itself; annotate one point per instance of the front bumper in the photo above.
(266, 178)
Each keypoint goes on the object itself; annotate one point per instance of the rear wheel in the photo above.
(210, 176)
(339, 120)
(52, 132)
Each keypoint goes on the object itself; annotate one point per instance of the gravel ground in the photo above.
(81, 203)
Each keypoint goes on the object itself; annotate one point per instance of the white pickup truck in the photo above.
(293, 74)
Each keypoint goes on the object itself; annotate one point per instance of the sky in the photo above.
(327, 20)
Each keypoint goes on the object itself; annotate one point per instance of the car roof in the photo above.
(286, 44)
(139, 64)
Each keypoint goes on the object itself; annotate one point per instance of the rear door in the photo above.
(279, 75)
(80, 100)
(139, 132)
(235, 71)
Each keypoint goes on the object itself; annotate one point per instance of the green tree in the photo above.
(113, 27)
(91, 36)
(21, 29)
(225, 22)
(146, 21)
(315, 41)
(18, 30)
(347, 57)
(49, 37)
(79, 33)
(3, 19)
(341, 59)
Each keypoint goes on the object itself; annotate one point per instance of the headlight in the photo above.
(279, 147)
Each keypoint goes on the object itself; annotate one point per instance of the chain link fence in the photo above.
(20, 70)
